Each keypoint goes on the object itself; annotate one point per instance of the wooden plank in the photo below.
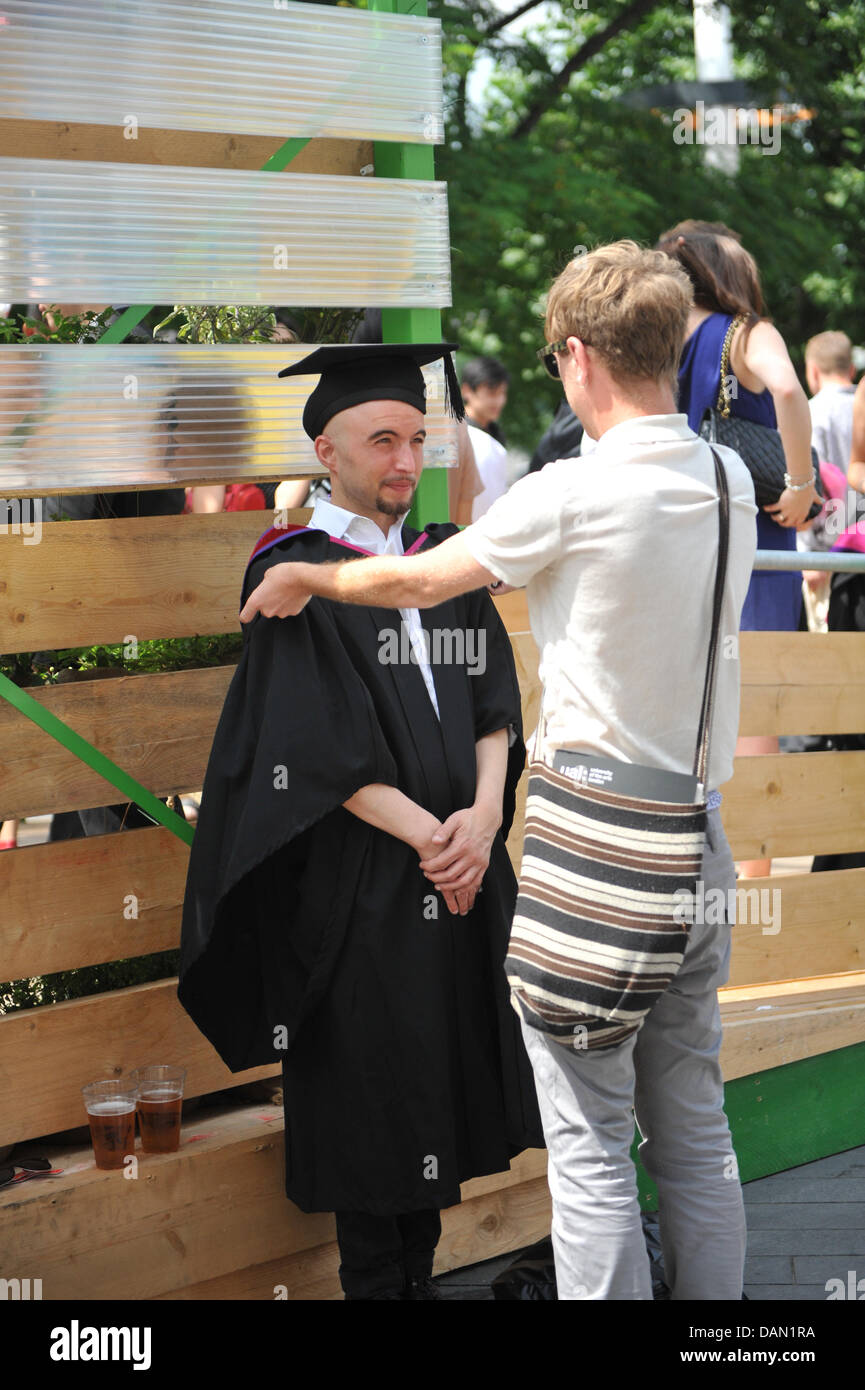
(505, 1220)
(91, 582)
(157, 727)
(77, 917)
(477, 1229)
(821, 921)
(305, 1277)
(813, 991)
(526, 661)
(494, 1224)
(823, 694)
(50, 1052)
(514, 611)
(802, 658)
(803, 709)
(795, 803)
(100, 1235)
(168, 1234)
(202, 149)
(802, 682)
(89, 891)
(787, 1022)
(308, 1276)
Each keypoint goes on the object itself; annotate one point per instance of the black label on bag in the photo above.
(626, 779)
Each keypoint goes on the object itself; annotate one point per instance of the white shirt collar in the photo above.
(646, 429)
(342, 524)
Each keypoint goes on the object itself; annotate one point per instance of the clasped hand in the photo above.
(456, 856)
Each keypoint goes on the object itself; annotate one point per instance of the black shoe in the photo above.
(423, 1289)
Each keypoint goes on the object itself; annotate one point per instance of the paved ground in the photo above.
(805, 1226)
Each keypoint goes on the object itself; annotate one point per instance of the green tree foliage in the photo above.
(557, 159)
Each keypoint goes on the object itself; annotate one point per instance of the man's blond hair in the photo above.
(628, 303)
(830, 352)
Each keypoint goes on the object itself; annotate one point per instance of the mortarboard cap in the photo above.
(355, 372)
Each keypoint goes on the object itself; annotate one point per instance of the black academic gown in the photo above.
(311, 938)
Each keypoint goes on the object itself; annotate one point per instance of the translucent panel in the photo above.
(252, 67)
(165, 234)
(87, 417)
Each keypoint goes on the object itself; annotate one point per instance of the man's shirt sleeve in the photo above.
(522, 531)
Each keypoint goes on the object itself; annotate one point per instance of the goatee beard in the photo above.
(393, 508)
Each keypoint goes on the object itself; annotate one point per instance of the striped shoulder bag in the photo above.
(608, 876)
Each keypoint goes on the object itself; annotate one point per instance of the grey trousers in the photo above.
(668, 1076)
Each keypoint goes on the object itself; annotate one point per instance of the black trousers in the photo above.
(379, 1254)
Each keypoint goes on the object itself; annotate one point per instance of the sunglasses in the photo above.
(31, 1168)
(547, 355)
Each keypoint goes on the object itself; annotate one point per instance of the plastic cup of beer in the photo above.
(110, 1109)
(160, 1099)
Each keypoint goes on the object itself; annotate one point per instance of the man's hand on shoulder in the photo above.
(282, 593)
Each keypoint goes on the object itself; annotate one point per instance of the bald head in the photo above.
(374, 454)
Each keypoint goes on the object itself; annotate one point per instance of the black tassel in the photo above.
(453, 396)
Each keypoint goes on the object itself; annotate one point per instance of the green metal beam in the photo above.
(76, 744)
(789, 1115)
(401, 160)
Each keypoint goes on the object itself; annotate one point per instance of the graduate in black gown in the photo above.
(314, 932)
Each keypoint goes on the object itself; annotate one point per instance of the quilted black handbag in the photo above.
(759, 446)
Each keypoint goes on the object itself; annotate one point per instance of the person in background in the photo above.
(563, 439)
(829, 373)
(484, 385)
(856, 463)
(726, 284)
(847, 601)
(232, 497)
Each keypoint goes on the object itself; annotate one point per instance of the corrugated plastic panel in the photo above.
(88, 417)
(254, 67)
(151, 234)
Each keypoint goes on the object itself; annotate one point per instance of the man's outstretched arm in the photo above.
(387, 581)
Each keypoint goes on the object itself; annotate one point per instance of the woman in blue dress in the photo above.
(763, 387)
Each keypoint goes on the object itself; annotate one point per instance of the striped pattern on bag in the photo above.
(601, 923)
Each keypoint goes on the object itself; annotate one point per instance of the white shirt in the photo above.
(832, 423)
(491, 459)
(618, 552)
(360, 530)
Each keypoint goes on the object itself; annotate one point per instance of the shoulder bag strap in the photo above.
(724, 391)
(701, 755)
